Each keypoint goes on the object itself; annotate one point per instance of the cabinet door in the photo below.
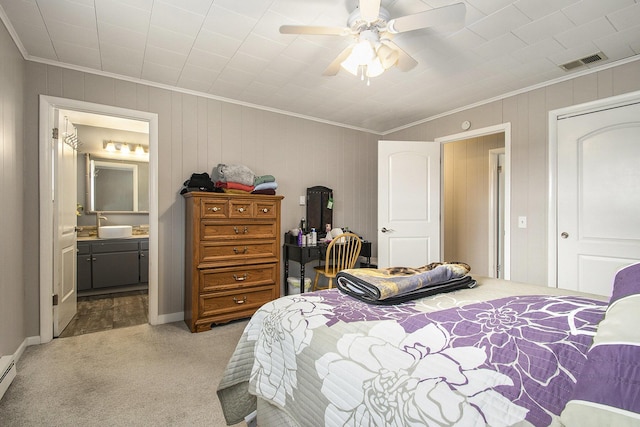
(83, 266)
(115, 269)
(144, 266)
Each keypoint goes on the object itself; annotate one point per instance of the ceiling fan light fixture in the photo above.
(361, 55)
(350, 65)
(374, 68)
(387, 56)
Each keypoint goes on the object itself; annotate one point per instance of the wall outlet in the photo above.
(522, 222)
(303, 200)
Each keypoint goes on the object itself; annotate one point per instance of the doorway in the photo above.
(476, 199)
(422, 206)
(48, 211)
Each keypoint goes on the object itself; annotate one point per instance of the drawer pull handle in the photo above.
(240, 279)
(214, 209)
(241, 210)
(242, 301)
(245, 231)
(265, 210)
(244, 251)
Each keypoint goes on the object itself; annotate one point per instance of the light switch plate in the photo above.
(303, 200)
(522, 222)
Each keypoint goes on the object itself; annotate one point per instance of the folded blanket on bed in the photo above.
(398, 284)
(233, 173)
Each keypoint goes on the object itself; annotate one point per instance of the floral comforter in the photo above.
(325, 358)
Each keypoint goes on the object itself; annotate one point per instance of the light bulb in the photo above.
(139, 150)
(387, 56)
(111, 148)
(124, 149)
(374, 68)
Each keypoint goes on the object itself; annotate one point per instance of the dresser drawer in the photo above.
(247, 251)
(266, 209)
(234, 278)
(210, 230)
(241, 208)
(214, 208)
(235, 302)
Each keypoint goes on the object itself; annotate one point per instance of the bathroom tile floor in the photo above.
(103, 312)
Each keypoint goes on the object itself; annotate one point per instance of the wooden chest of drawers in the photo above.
(232, 256)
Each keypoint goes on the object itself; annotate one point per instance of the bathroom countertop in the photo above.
(90, 238)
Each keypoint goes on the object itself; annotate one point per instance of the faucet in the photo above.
(99, 216)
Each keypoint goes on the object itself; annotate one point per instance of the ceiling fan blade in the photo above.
(369, 10)
(429, 18)
(405, 61)
(314, 30)
(334, 67)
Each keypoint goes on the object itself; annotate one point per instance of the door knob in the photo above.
(564, 235)
(386, 230)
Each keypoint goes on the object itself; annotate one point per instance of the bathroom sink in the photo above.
(114, 231)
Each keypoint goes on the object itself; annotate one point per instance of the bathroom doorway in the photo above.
(112, 185)
(49, 210)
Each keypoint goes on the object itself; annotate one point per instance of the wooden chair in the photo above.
(342, 253)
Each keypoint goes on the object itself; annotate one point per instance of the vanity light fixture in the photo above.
(125, 149)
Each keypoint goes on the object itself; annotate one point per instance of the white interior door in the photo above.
(64, 199)
(598, 197)
(408, 203)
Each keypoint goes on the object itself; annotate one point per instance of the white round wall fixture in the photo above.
(466, 125)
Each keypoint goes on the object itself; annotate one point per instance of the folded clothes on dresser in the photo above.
(266, 186)
(233, 173)
(234, 186)
(263, 178)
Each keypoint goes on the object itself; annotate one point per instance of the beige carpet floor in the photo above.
(137, 376)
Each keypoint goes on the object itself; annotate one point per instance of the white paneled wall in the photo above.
(12, 189)
(197, 133)
(528, 114)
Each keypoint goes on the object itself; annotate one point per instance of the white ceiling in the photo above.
(232, 49)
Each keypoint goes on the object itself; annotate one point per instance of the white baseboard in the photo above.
(170, 318)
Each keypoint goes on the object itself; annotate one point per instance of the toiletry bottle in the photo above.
(314, 237)
(300, 233)
(302, 225)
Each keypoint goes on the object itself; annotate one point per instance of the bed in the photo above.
(499, 354)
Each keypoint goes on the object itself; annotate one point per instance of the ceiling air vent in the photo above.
(587, 60)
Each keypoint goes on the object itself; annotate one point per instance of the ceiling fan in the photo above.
(372, 27)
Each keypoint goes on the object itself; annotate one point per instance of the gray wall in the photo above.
(528, 115)
(12, 189)
(195, 134)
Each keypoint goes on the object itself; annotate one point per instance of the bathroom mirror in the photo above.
(117, 186)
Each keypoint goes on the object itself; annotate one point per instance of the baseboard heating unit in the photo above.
(7, 373)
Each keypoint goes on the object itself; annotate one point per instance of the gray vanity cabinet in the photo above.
(144, 261)
(83, 277)
(114, 263)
